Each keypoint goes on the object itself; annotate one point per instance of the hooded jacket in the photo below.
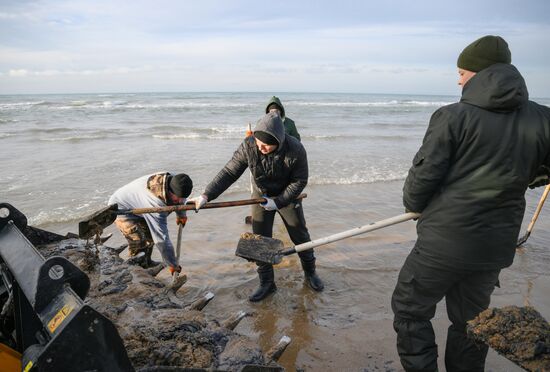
(290, 126)
(469, 177)
(281, 174)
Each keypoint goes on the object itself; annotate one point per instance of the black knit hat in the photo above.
(484, 52)
(181, 185)
(266, 138)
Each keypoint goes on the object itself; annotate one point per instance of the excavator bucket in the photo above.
(53, 328)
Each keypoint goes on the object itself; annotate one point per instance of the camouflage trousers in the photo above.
(137, 234)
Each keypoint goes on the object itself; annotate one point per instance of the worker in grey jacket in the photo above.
(278, 164)
(151, 229)
(468, 179)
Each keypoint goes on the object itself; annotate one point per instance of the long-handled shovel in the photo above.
(95, 223)
(524, 238)
(268, 250)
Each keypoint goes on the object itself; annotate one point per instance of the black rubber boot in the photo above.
(148, 262)
(267, 283)
(312, 278)
(143, 259)
(137, 259)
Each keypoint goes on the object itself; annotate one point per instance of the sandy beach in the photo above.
(349, 325)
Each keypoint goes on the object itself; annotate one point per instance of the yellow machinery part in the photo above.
(10, 360)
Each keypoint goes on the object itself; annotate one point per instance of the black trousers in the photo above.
(420, 286)
(295, 223)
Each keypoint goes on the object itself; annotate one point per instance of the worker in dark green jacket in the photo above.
(468, 181)
(276, 105)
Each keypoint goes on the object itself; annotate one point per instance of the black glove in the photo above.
(542, 177)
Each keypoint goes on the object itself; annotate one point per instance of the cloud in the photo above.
(86, 72)
(218, 45)
(18, 73)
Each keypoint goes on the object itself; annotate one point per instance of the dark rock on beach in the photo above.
(157, 327)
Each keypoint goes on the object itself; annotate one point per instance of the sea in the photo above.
(62, 156)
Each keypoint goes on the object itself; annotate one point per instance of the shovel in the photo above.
(271, 251)
(95, 223)
(177, 280)
(524, 238)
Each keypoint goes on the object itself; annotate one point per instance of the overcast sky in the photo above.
(71, 46)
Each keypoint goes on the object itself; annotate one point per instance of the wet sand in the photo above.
(349, 325)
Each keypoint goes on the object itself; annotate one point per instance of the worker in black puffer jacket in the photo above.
(468, 180)
(278, 164)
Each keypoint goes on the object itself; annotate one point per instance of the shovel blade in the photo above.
(259, 248)
(523, 239)
(98, 221)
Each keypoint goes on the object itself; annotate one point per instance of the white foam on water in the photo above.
(393, 102)
(356, 179)
(75, 138)
(177, 136)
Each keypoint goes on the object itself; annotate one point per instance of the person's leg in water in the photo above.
(295, 223)
(262, 224)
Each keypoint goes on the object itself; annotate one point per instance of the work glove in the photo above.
(174, 269)
(181, 220)
(269, 204)
(199, 201)
(541, 177)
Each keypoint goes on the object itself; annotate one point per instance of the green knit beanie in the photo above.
(483, 53)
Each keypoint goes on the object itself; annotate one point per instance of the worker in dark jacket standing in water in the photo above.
(468, 180)
(275, 105)
(278, 163)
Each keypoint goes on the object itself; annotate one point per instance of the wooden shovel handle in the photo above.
(191, 206)
(539, 208)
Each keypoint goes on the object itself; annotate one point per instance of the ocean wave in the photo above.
(6, 135)
(169, 128)
(177, 136)
(392, 103)
(399, 125)
(49, 130)
(6, 121)
(355, 179)
(187, 105)
(60, 215)
(24, 104)
(125, 105)
(78, 138)
(369, 136)
(216, 133)
(195, 135)
(239, 130)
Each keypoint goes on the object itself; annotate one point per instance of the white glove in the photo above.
(269, 204)
(199, 201)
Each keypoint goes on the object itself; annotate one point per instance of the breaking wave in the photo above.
(390, 103)
(355, 179)
(77, 138)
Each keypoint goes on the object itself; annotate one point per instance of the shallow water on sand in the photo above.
(349, 325)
